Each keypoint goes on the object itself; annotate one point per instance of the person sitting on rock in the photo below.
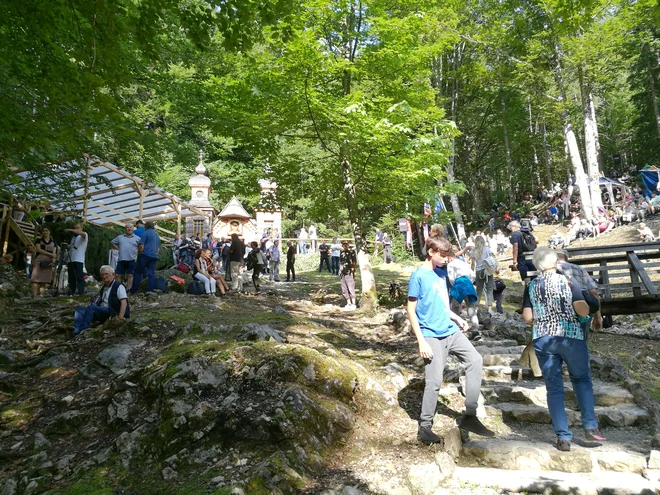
(112, 302)
(645, 233)
(437, 331)
(201, 273)
(214, 271)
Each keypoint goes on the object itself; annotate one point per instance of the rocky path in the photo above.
(386, 458)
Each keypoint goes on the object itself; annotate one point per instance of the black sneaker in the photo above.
(564, 445)
(426, 435)
(472, 424)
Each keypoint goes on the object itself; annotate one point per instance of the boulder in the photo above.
(255, 331)
(116, 358)
(654, 460)
(9, 487)
(424, 478)
(41, 442)
(622, 462)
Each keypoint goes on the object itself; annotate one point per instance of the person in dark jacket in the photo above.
(112, 302)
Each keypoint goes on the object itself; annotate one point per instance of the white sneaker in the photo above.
(349, 307)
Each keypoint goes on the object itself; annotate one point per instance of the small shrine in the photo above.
(233, 218)
(200, 189)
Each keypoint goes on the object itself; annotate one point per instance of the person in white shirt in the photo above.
(461, 277)
(335, 252)
(77, 250)
(312, 238)
(302, 241)
(127, 244)
(645, 233)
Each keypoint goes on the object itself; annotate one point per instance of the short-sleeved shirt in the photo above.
(432, 311)
(274, 253)
(323, 249)
(79, 248)
(151, 243)
(347, 261)
(335, 249)
(128, 247)
(516, 238)
(577, 273)
(139, 231)
(551, 298)
(121, 294)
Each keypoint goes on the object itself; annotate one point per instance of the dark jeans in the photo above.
(146, 265)
(335, 265)
(85, 315)
(76, 278)
(551, 353)
(498, 301)
(290, 270)
(256, 273)
(524, 266)
(325, 259)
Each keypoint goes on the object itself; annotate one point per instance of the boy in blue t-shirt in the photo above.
(436, 329)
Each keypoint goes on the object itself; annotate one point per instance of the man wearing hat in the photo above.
(347, 263)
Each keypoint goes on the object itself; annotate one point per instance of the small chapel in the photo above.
(233, 218)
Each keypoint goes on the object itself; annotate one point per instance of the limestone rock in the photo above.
(351, 490)
(255, 331)
(9, 488)
(506, 454)
(452, 442)
(117, 357)
(424, 478)
(119, 409)
(445, 463)
(622, 462)
(279, 310)
(169, 474)
(654, 460)
(41, 442)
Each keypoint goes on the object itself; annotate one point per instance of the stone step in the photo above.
(544, 456)
(605, 394)
(501, 359)
(495, 373)
(511, 349)
(496, 343)
(536, 481)
(507, 373)
(620, 415)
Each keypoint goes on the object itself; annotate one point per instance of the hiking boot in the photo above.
(564, 445)
(426, 435)
(472, 424)
(594, 434)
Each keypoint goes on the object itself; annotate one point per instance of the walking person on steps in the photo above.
(557, 307)
(437, 331)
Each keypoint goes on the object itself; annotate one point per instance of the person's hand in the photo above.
(425, 350)
(118, 319)
(597, 323)
(462, 324)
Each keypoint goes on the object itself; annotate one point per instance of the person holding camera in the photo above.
(44, 253)
(77, 250)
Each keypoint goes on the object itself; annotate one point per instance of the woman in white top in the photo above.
(480, 253)
(202, 273)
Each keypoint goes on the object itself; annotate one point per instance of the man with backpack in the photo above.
(522, 241)
(256, 262)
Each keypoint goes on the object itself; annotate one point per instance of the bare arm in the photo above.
(140, 248)
(597, 322)
(527, 315)
(122, 308)
(425, 350)
(581, 308)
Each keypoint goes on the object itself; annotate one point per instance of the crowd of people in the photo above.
(560, 300)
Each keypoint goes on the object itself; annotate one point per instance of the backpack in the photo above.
(183, 268)
(254, 259)
(527, 241)
(196, 288)
(490, 265)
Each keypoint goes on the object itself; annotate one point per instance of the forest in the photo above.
(361, 110)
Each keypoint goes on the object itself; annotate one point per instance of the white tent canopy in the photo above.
(103, 193)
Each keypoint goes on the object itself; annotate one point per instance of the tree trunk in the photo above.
(654, 96)
(537, 174)
(590, 143)
(453, 198)
(546, 156)
(369, 295)
(507, 150)
(571, 140)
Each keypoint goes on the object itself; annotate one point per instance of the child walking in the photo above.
(437, 331)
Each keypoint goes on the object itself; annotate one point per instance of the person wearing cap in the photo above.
(347, 263)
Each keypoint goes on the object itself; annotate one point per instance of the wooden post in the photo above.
(9, 211)
(89, 164)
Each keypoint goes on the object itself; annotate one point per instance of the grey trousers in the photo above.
(458, 345)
